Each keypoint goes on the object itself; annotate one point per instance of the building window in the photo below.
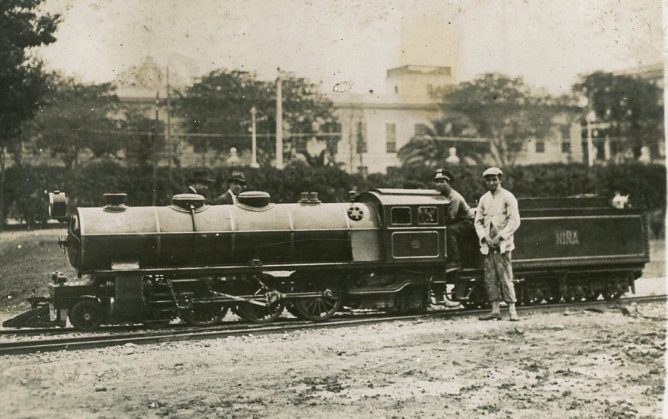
(540, 146)
(391, 138)
(363, 170)
(396, 89)
(565, 133)
(421, 130)
(361, 137)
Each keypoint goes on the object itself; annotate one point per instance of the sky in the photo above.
(549, 43)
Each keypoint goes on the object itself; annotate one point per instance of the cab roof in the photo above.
(395, 197)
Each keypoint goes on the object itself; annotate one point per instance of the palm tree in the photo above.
(431, 150)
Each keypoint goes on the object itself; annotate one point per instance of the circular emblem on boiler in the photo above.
(415, 244)
(355, 213)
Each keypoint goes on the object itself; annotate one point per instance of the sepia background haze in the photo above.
(548, 43)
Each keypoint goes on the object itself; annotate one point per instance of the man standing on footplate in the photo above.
(459, 217)
(497, 218)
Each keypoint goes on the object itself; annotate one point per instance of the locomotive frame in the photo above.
(384, 250)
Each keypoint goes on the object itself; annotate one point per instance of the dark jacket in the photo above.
(191, 189)
(227, 198)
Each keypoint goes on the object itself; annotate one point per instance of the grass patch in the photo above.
(27, 259)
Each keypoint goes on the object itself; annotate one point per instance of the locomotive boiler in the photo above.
(384, 250)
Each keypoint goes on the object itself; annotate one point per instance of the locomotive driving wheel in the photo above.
(258, 314)
(204, 315)
(86, 315)
(321, 308)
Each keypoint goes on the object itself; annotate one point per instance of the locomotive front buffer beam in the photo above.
(42, 313)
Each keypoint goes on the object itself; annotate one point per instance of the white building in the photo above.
(374, 127)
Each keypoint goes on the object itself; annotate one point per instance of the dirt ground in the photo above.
(580, 364)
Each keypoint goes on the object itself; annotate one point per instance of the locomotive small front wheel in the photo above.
(86, 315)
(204, 315)
(320, 308)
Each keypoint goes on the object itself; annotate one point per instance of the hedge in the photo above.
(26, 187)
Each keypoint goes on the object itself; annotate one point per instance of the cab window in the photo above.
(427, 215)
(401, 216)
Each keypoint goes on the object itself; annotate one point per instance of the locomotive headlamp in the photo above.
(57, 205)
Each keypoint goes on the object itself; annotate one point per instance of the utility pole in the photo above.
(279, 121)
(168, 138)
(155, 150)
(253, 139)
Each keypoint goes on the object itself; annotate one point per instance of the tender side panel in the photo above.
(580, 240)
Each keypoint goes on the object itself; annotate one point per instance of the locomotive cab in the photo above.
(413, 223)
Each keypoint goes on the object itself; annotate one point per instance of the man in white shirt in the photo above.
(497, 218)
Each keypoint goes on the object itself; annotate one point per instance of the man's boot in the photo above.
(495, 314)
(513, 313)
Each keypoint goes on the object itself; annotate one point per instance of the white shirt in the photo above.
(497, 215)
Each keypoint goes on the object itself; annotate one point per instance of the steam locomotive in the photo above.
(385, 250)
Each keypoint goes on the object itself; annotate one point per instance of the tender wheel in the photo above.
(204, 315)
(257, 314)
(593, 297)
(610, 296)
(471, 305)
(554, 299)
(321, 308)
(87, 315)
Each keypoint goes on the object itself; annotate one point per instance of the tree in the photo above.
(432, 149)
(627, 108)
(142, 137)
(502, 110)
(22, 27)
(220, 103)
(77, 117)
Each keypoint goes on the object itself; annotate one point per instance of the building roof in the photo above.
(420, 69)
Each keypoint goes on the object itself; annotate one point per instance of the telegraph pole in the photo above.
(155, 150)
(168, 138)
(279, 121)
(253, 139)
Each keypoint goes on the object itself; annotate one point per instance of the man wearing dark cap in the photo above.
(458, 217)
(236, 183)
(496, 220)
(199, 183)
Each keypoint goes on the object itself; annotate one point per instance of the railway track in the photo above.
(176, 333)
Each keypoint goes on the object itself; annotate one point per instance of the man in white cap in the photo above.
(496, 220)
(459, 217)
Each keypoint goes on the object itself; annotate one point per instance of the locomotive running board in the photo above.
(261, 268)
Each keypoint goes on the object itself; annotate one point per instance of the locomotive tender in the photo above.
(384, 250)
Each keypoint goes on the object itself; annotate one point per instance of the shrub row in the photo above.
(26, 187)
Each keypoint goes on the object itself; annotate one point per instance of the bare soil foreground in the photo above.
(578, 364)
